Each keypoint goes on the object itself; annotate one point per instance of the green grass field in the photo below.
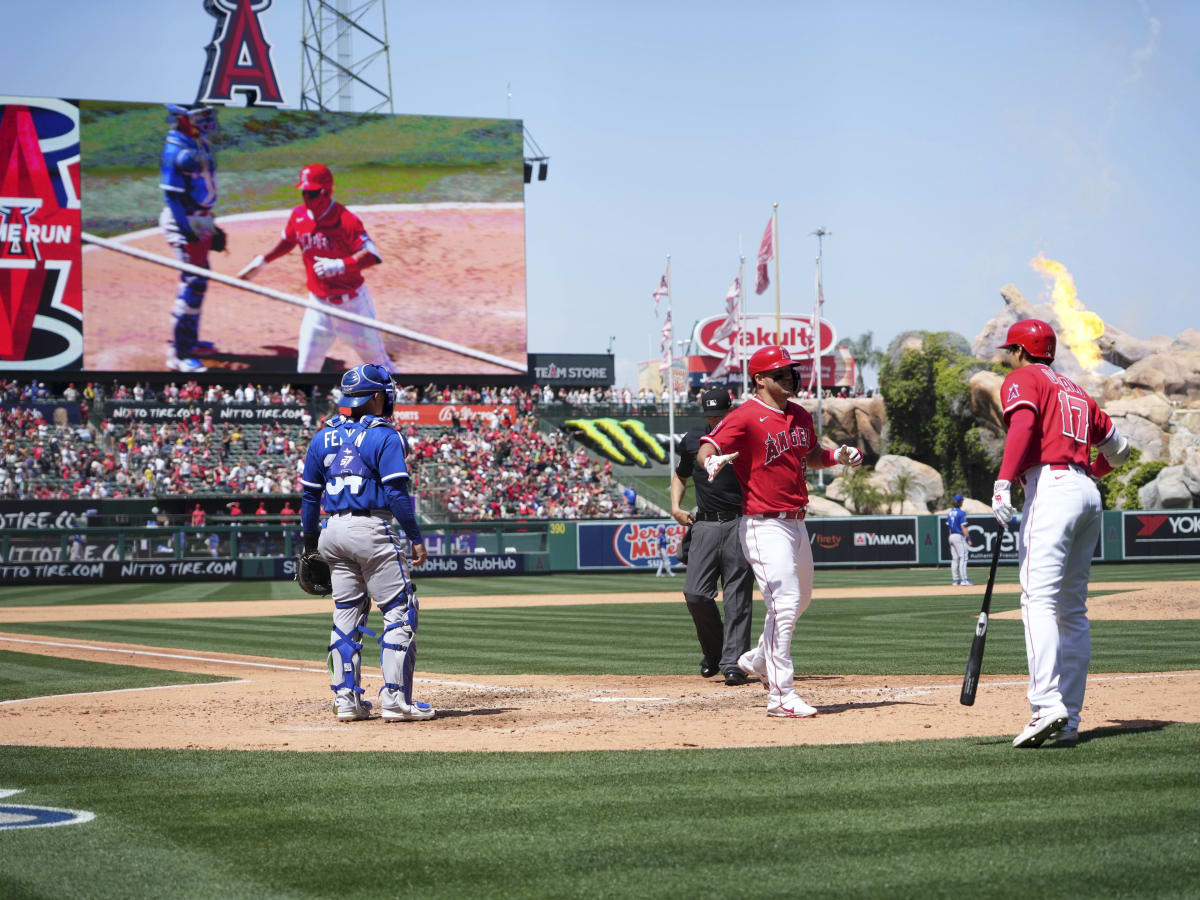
(1117, 816)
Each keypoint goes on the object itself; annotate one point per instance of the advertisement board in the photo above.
(981, 531)
(104, 284)
(572, 369)
(795, 331)
(863, 540)
(626, 545)
(433, 414)
(133, 411)
(1161, 534)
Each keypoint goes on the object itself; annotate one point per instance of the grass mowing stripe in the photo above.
(915, 819)
(876, 636)
(570, 583)
(32, 675)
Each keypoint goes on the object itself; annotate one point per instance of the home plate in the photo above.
(629, 699)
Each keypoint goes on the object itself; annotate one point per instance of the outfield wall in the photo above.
(47, 547)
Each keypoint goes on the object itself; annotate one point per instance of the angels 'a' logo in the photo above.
(1013, 393)
(239, 57)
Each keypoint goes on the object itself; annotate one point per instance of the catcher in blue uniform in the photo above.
(356, 467)
(189, 186)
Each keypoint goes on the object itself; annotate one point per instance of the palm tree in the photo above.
(866, 356)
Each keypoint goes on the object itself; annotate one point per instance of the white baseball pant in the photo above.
(781, 558)
(958, 557)
(1059, 530)
(318, 332)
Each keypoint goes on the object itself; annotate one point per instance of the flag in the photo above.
(666, 342)
(729, 326)
(660, 292)
(727, 364)
(766, 253)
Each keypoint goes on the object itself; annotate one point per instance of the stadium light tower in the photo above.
(330, 72)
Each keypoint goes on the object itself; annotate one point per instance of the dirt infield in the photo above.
(284, 704)
(452, 273)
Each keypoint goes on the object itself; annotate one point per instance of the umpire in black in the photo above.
(715, 551)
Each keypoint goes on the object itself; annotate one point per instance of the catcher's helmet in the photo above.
(1034, 335)
(766, 359)
(202, 118)
(316, 178)
(362, 383)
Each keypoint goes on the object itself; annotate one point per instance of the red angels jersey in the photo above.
(773, 447)
(1067, 422)
(339, 234)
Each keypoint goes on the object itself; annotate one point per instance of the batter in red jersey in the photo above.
(336, 249)
(771, 443)
(1052, 423)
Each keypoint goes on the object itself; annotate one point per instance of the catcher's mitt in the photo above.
(219, 240)
(313, 575)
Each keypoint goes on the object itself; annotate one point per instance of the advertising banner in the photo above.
(982, 531)
(572, 369)
(625, 545)
(863, 540)
(1161, 535)
(109, 571)
(434, 414)
(133, 411)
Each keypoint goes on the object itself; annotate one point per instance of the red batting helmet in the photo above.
(768, 358)
(1034, 335)
(316, 178)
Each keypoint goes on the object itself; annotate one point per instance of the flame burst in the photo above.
(1078, 328)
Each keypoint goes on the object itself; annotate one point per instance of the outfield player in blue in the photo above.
(356, 467)
(956, 521)
(189, 186)
(664, 553)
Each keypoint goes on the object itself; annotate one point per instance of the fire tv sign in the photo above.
(795, 333)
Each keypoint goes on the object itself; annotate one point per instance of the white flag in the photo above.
(660, 292)
(727, 364)
(666, 342)
(729, 326)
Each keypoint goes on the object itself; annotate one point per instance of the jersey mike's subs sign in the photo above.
(759, 330)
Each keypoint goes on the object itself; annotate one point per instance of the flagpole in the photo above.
(816, 339)
(670, 376)
(775, 243)
(740, 337)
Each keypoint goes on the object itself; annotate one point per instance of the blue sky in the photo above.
(943, 144)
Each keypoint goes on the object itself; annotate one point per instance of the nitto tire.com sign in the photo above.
(1162, 535)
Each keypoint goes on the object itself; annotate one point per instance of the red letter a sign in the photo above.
(239, 57)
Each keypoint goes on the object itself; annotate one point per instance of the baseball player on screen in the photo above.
(356, 468)
(336, 249)
(1052, 424)
(771, 443)
(189, 186)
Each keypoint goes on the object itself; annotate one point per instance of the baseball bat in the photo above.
(273, 294)
(975, 657)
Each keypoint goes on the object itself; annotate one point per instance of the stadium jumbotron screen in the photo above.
(440, 199)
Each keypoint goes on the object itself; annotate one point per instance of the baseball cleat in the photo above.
(409, 712)
(956, 582)
(1068, 737)
(357, 712)
(1042, 728)
(795, 708)
(969, 581)
(188, 365)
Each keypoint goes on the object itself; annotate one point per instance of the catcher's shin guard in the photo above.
(345, 653)
(398, 646)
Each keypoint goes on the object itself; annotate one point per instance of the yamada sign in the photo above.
(795, 333)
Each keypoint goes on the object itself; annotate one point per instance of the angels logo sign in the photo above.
(40, 298)
(239, 57)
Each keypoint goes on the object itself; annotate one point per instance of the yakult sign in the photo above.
(795, 333)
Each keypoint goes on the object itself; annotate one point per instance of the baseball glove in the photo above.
(219, 240)
(313, 575)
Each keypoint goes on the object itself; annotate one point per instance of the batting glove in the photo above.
(1002, 507)
(848, 456)
(325, 267)
(715, 463)
(251, 269)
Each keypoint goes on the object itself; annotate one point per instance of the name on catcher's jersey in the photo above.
(352, 461)
(773, 447)
(339, 233)
(1067, 420)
